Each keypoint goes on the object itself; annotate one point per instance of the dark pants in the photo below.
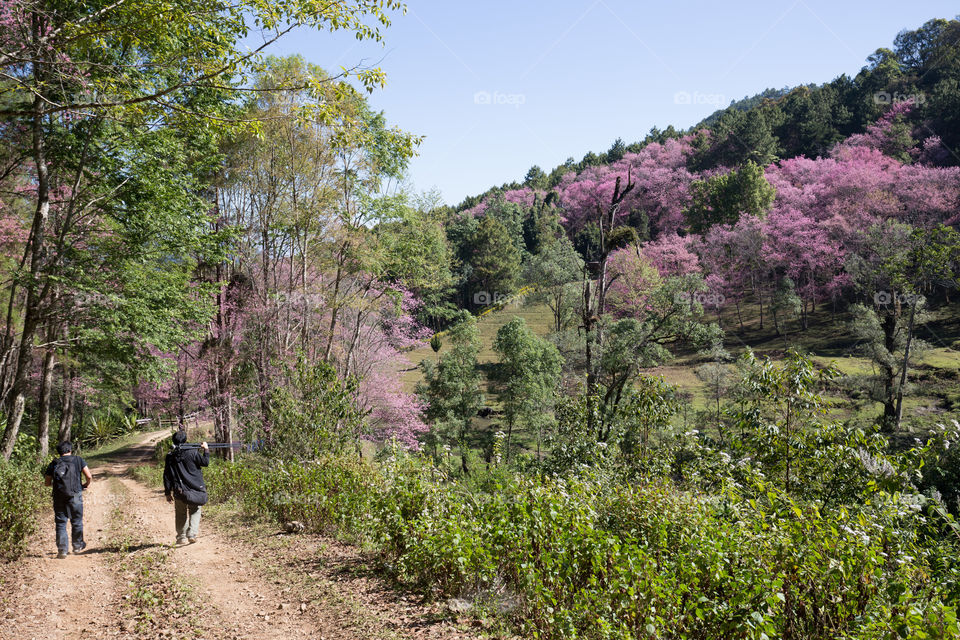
(68, 508)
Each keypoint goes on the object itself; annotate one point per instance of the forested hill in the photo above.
(923, 66)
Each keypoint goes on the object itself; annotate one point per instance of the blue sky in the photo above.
(498, 86)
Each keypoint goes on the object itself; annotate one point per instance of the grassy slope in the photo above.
(936, 375)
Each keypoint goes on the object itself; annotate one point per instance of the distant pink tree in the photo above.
(379, 338)
(662, 191)
(633, 280)
(799, 248)
(859, 186)
(671, 255)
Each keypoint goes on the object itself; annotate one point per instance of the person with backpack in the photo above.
(183, 485)
(63, 474)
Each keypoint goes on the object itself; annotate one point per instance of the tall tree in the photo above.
(555, 272)
(451, 387)
(495, 261)
(527, 377)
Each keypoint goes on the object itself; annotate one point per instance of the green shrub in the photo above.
(22, 494)
(103, 427)
(604, 558)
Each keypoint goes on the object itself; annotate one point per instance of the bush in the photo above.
(602, 558)
(22, 494)
(103, 427)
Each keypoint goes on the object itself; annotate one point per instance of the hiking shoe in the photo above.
(191, 540)
(181, 541)
(61, 555)
(80, 547)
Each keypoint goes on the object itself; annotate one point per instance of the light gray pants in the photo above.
(188, 520)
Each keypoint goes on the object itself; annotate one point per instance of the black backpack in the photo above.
(66, 477)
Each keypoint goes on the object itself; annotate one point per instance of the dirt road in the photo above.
(133, 582)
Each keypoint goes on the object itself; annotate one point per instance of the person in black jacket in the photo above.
(183, 485)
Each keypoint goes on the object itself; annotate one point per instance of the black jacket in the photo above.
(185, 463)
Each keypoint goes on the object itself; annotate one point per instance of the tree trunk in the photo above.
(760, 300)
(31, 310)
(889, 418)
(334, 308)
(43, 418)
(898, 415)
(66, 414)
(13, 425)
(229, 420)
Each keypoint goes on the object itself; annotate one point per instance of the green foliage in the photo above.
(313, 413)
(451, 387)
(495, 258)
(781, 410)
(527, 375)
(941, 466)
(418, 255)
(573, 447)
(556, 272)
(785, 303)
(648, 410)
(668, 314)
(723, 198)
(600, 558)
(103, 427)
(22, 495)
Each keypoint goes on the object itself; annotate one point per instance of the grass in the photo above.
(942, 358)
(99, 455)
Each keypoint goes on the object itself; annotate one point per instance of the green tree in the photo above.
(418, 255)
(722, 199)
(893, 270)
(495, 259)
(785, 303)
(69, 69)
(616, 151)
(739, 136)
(526, 376)
(451, 388)
(719, 378)
(635, 343)
(314, 413)
(556, 273)
(782, 410)
(535, 178)
(648, 409)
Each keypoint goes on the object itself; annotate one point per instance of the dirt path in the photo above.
(219, 585)
(36, 604)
